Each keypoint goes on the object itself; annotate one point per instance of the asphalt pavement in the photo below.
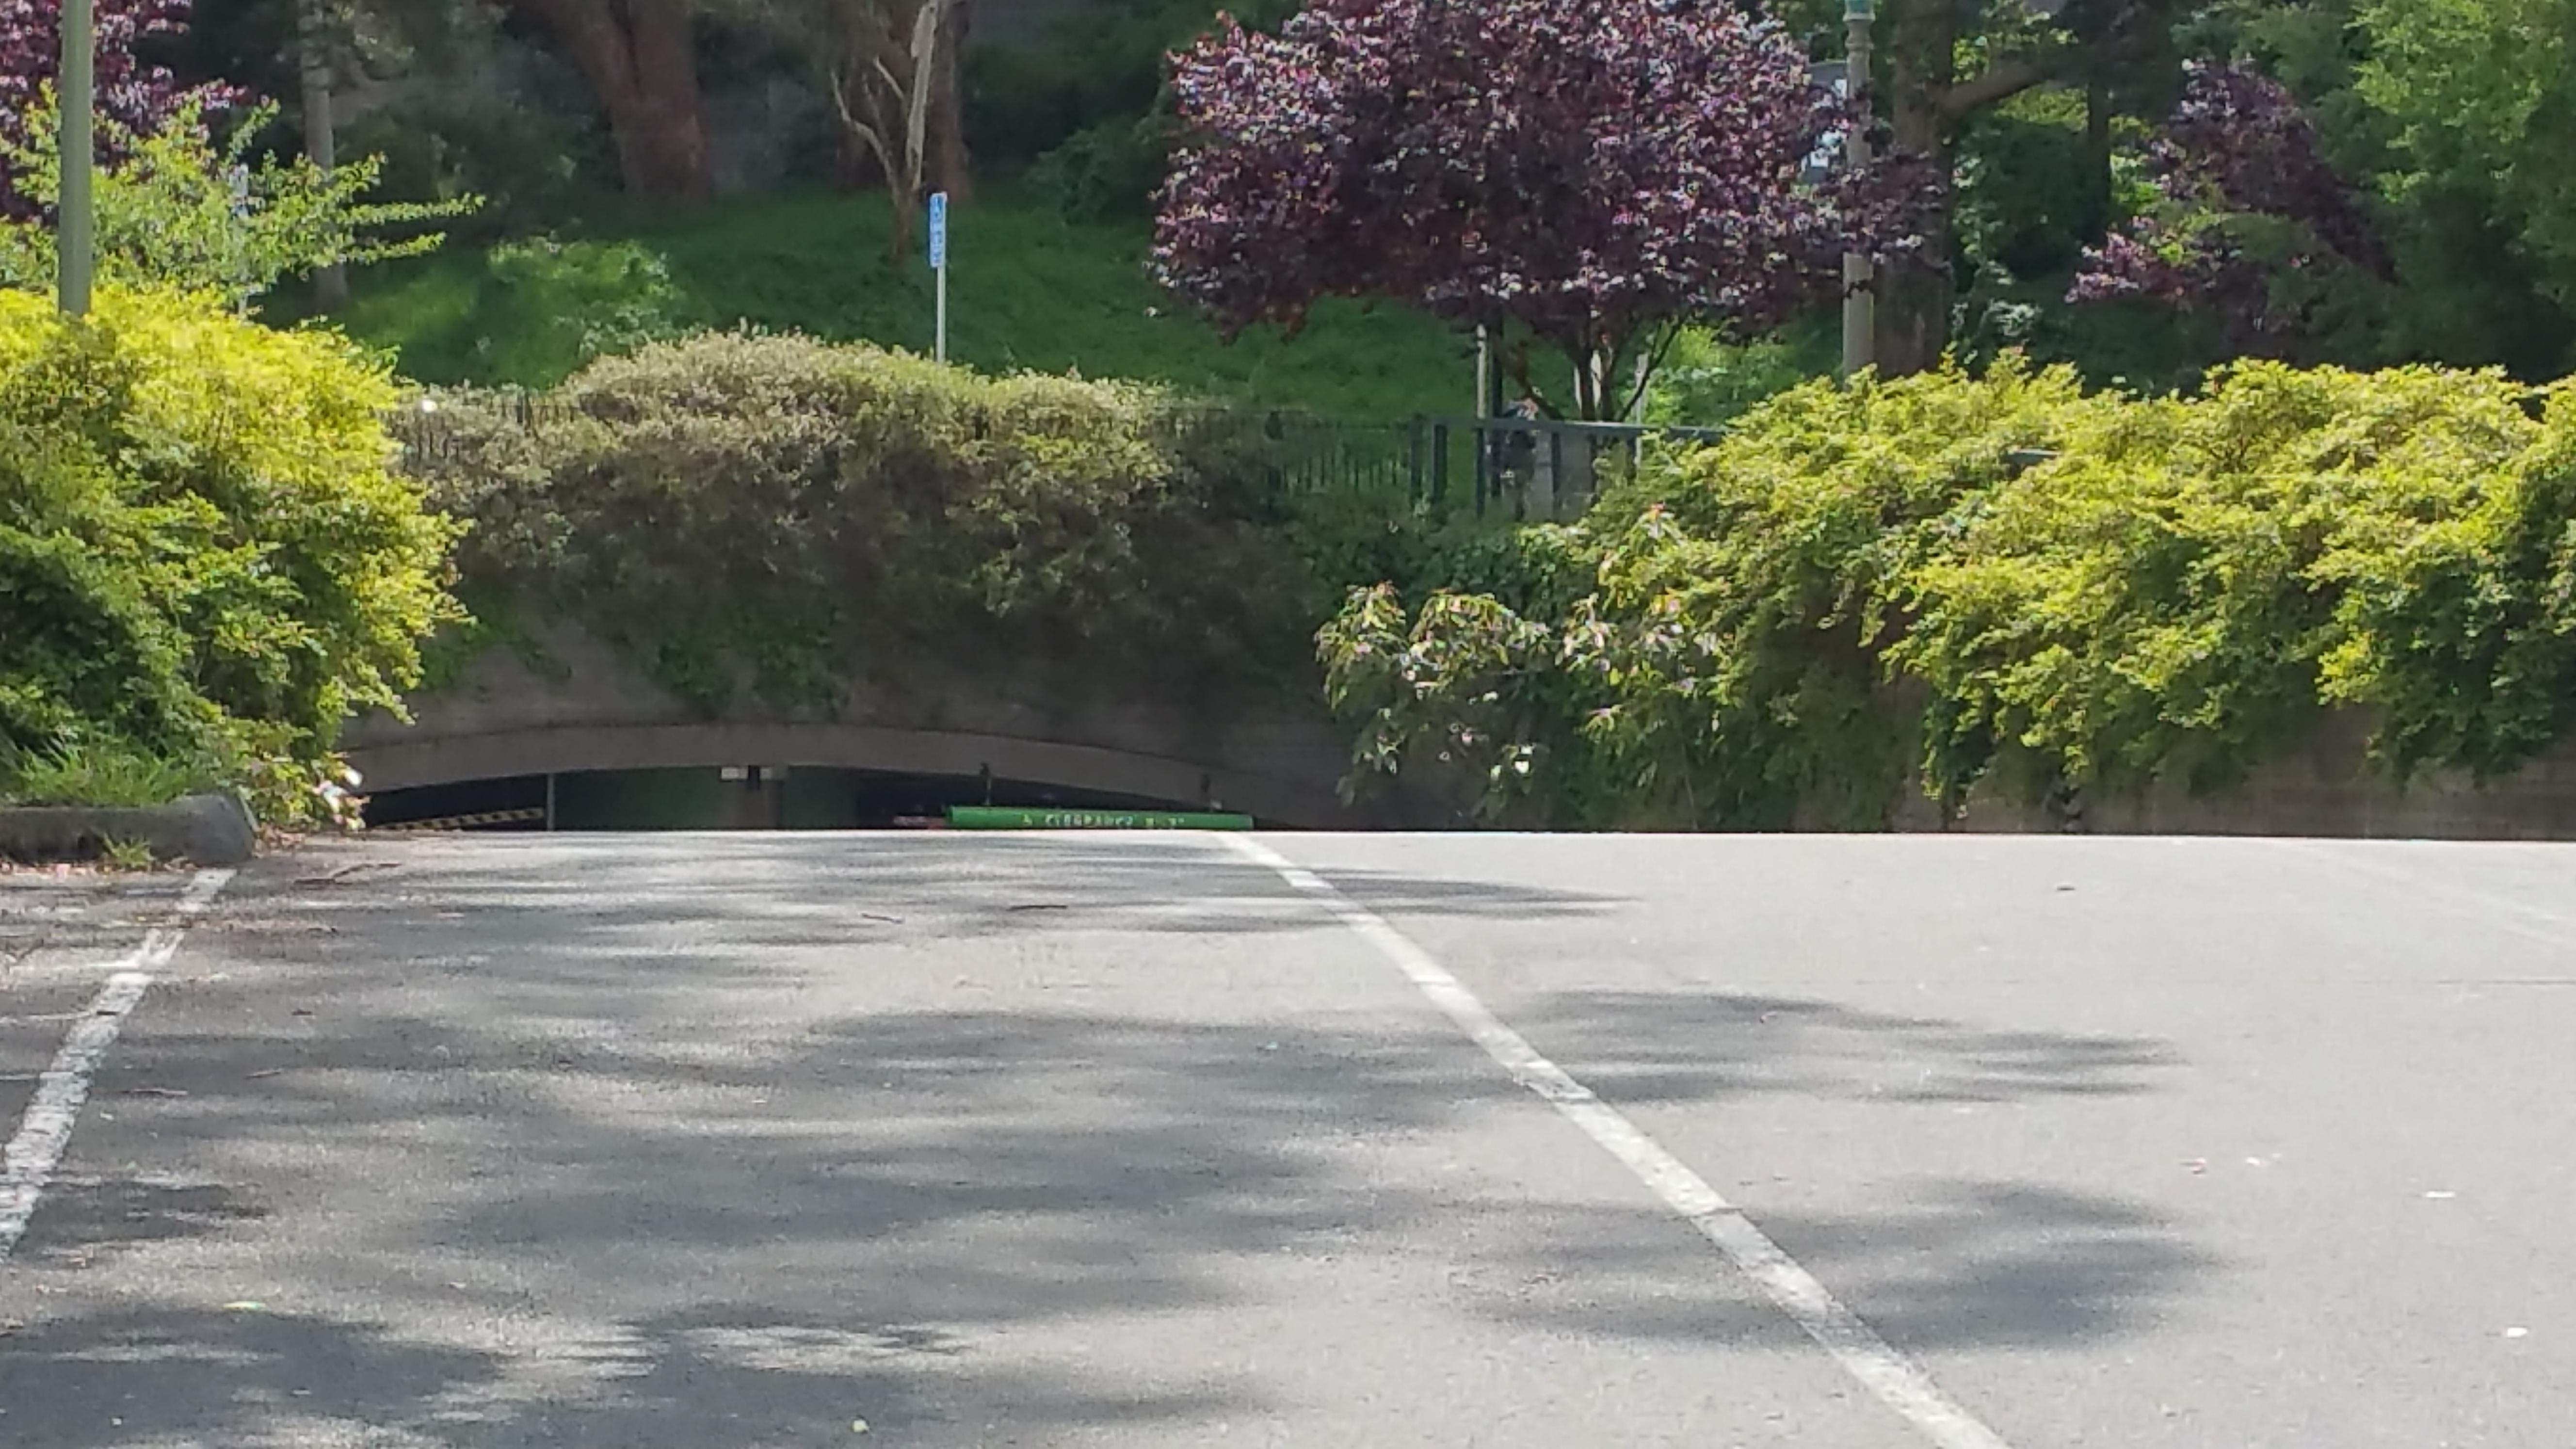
(741, 1141)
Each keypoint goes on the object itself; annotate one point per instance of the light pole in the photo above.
(1860, 313)
(75, 235)
(1484, 372)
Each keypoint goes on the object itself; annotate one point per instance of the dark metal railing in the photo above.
(426, 429)
(1511, 468)
(1532, 469)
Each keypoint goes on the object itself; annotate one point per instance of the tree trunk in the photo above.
(666, 73)
(950, 167)
(854, 166)
(895, 76)
(321, 136)
(1914, 292)
(2097, 159)
(1587, 387)
(903, 216)
(641, 62)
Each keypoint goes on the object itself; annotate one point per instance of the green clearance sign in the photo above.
(1012, 817)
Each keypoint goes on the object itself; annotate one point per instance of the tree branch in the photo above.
(893, 87)
(925, 55)
(867, 133)
(1657, 353)
(2002, 81)
(1516, 368)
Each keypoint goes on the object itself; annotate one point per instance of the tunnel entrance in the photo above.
(768, 797)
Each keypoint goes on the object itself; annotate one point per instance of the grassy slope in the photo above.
(1027, 291)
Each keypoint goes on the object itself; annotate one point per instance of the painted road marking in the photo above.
(28, 1163)
(527, 814)
(1898, 1381)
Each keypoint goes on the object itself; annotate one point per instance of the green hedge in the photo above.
(763, 515)
(205, 557)
(1949, 579)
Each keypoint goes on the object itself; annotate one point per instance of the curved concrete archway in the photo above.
(408, 761)
(567, 702)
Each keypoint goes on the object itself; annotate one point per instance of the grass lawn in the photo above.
(1027, 290)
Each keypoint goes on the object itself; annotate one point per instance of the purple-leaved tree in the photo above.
(134, 96)
(1579, 176)
(2249, 226)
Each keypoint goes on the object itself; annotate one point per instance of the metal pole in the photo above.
(1484, 371)
(939, 273)
(75, 234)
(1860, 313)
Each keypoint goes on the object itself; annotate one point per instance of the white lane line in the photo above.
(28, 1163)
(1898, 1381)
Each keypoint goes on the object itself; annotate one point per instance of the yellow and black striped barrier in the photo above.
(1012, 817)
(461, 822)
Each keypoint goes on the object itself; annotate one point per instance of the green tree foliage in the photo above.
(2181, 589)
(1082, 104)
(205, 557)
(1707, 382)
(2042, 119)
(2482, 94)
(1948, 579)
(2470, 287)
(181, 210)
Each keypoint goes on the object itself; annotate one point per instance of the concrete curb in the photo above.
(209, 829)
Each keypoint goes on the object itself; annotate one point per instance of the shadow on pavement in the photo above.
(1655, 1046)
(779, 890)
(705, 1378)
(89, 1215)
(560, 1098)
(1982, 1265)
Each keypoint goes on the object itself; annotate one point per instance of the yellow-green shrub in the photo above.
(2003, 572)
(2181, 590)
(204, 551)
(1724, 667)
(1748, 589)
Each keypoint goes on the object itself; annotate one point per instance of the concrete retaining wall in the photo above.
(2329, 789)
(1277, 755)
(1274, 754)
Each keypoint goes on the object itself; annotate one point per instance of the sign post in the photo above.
(939, 273)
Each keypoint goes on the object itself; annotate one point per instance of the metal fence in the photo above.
(1497, 467)
(428, 431)
(1533, 469)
